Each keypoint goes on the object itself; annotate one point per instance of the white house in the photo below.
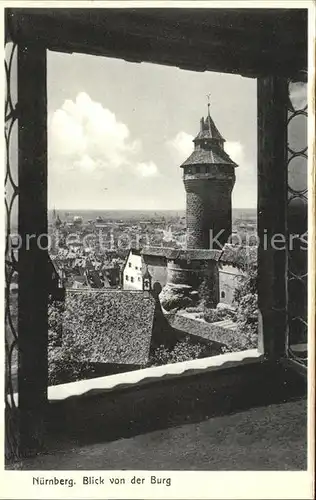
(133, 271)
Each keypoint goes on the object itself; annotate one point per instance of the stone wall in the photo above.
(193, 274)
(201, 329)
(182, 272)
(208, 208)
(157, 267)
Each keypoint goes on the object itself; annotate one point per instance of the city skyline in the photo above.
(118, 132)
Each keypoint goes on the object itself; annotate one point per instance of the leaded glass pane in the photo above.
(297, 222)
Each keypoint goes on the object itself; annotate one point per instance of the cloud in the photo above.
(245, 190)
(298, 94)
(235, 150)
(148, 169)
(182, 144)
(85, 163)
(84, 136)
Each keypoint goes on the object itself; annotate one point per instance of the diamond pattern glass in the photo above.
(297, 222)
(11, 258)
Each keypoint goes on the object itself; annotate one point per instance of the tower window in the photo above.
(129, 264)
(126, 278)
(222, 295)
(132, 279)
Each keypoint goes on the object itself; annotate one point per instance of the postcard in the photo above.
(159, 244)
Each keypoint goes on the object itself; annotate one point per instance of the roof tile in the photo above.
(116, 324)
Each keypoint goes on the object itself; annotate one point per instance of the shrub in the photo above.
(176, 303)
(184, 350)
(175, 298)
(200, 315)
(246, 300)
(55, 312)
(195, 309)
(206, 292)
(244, 338)
(212, 315)
(63, 366)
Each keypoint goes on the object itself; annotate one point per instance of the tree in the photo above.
(55, 312)
(246, 300)
(66, 362)
(206, 290)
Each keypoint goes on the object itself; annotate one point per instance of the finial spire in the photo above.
(208, 103)
(208, 111)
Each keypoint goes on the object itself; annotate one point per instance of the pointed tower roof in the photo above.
(209, 146)
(208, 130)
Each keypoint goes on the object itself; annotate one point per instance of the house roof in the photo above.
(208, 130)
(94, 279)
(110, 326)
(132, 251)
(135, 251)
(80, 279)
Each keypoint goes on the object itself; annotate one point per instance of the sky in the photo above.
(119, 131)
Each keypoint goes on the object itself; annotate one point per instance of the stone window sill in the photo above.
(101, 385)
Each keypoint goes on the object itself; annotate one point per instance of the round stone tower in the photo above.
(209, 177)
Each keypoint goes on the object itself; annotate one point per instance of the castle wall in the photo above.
(194, 273)
(157, 267)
